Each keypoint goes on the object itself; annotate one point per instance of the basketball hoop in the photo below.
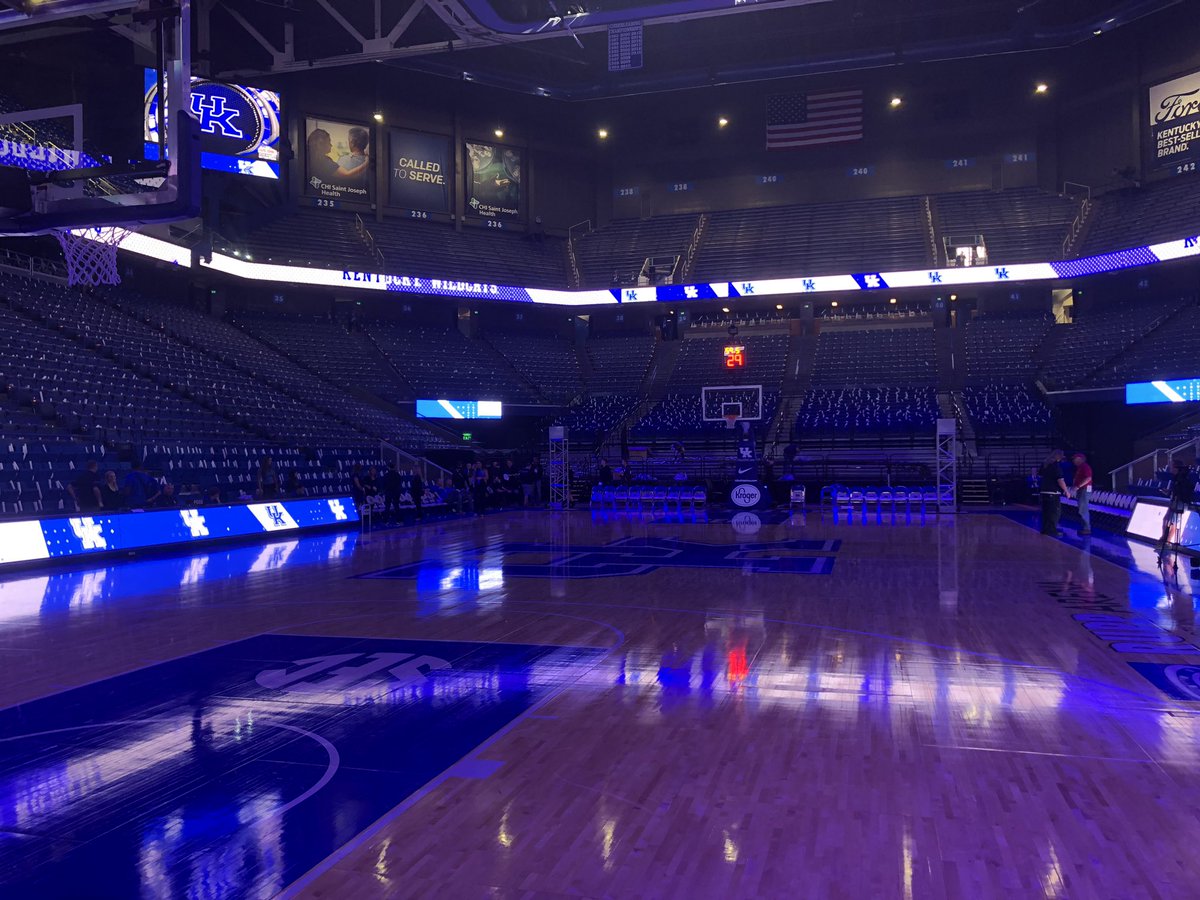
(91, 254)
(731, 420)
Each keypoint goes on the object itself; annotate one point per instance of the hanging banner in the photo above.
(419, 171)
(1174, 124)
(493, 181)
(337, 160)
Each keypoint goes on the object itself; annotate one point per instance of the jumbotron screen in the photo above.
(239, 125)
(459, 409)
(1178, 390)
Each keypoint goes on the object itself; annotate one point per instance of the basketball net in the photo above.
(731, 420)
(91, 254)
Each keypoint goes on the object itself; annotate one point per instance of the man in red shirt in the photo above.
(1082, 486)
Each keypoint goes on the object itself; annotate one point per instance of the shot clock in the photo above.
(735, 356)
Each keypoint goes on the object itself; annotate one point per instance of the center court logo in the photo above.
(627, 556)
(342, 672)
(745, 495)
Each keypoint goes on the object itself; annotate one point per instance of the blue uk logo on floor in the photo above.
(631, 556)
(232, 772)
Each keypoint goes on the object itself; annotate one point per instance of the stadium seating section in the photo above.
(817, 239)
(869, 409)
(1019, 225)
(875, 356)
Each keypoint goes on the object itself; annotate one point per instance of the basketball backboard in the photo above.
(59, 167)
(718, 403)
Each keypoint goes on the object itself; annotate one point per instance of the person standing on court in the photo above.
(1052, 487)
(393, 488)
(1082, 486)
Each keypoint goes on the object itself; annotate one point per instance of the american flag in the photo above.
(822, 117)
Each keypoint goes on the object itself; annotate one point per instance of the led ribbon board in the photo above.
(459, 409)
(672, 293)
(83, 535)
(1177, 390)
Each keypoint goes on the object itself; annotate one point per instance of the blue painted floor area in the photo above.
(232, 772)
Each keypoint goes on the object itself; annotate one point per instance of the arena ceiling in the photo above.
(559, 48)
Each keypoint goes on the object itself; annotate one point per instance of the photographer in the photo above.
(1180, 493)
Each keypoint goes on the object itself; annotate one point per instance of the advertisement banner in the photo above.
(337, 160)
(1174, 122)
(419, 171)
(493, 181)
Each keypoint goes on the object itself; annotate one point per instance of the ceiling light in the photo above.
(724, 309)
(779, 306)
(834, 303)
(892, 300)
(954, 296)
(1096, 32)
(602, 134)
(1041, 88)
(499, 132)
(722, 122)
(378, 117)
(896, 101)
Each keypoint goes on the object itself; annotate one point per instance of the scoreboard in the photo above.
(735, 356)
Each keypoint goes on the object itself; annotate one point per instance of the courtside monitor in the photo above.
(459, 409)
(1177, 390)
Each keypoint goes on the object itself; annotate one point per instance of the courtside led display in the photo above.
(458, 409)
(84, 534)
(1176, 390)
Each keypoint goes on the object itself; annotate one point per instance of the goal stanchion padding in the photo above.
(91, 254)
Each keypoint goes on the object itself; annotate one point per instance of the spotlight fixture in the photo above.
(896, 101)
(378, 117)
(892, 300)
(602, 134)
(724, 309)
(834, 303)
(1096, 32)
(1041, 88)
(499, 132)
(722, 122)
(779, 306)
(954, 296)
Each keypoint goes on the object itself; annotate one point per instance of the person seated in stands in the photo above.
(213, 497)
(372, 489)
(166, 498)
(294, 487)
(604, 475)
(678, 451)
(85, 489)
(140, 489)
(111, 497)
(189, 495)
(268, 479)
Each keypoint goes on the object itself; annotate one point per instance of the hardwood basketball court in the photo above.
(530, 704)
